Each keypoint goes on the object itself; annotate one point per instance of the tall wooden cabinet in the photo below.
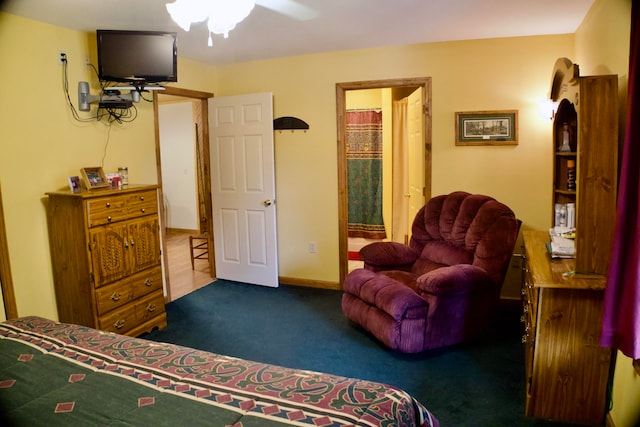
(566, 369)
(105, 253)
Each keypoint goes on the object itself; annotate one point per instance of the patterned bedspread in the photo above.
(59, 374)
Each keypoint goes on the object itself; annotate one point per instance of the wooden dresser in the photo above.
(105, 253)
(566, 369)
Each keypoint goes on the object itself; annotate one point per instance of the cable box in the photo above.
(115, 104)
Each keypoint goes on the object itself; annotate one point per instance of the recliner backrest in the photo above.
(465, 228)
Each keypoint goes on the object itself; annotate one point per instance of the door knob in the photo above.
(267, 202)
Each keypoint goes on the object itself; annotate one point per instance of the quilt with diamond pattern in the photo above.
(57, 374)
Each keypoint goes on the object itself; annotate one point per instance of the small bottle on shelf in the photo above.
(571, 175)
(571, 215)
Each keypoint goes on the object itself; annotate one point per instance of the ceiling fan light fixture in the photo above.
(222, 15)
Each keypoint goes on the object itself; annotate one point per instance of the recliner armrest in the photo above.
(388, 254)
(454, 280)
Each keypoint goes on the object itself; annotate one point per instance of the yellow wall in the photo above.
(41, 145)
(491, 74)
(602, 47)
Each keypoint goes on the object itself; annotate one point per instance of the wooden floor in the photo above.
(182, 278)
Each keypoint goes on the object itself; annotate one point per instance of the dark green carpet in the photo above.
(478, 384)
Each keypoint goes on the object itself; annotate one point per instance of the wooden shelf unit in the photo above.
(590, 106)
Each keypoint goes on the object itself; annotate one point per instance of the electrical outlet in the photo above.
(312, 248)
(62, 57)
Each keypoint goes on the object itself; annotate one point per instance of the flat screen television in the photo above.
(137, 57)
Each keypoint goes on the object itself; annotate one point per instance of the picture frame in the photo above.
(498, 127)
(94, 177)
(74, 184)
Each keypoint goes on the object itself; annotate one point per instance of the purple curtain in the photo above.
(621, 319)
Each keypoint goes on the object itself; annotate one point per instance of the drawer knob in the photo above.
(108, 204)
(148, 282)
(142, 210)
(142, 198)
(119, 324)
(151, 308)
(109, 218)
(116, 296)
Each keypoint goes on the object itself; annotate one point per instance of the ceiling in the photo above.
(336, 25)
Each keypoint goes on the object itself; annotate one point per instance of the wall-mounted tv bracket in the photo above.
(110, 97)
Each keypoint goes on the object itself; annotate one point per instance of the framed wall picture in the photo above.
(487, 127)
(94, 178)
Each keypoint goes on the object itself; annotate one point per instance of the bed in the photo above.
(55, 373)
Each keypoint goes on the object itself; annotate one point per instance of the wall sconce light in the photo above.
(547, 108)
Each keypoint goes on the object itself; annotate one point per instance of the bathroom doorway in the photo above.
(404, 192)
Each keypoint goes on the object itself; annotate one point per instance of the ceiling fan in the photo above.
(290, 8)
(223, 15)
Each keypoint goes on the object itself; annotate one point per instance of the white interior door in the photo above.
(243, 188)
(415, 128)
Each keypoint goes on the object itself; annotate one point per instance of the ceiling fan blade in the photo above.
(289, 8)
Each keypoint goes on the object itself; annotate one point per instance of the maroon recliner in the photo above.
(443, 287)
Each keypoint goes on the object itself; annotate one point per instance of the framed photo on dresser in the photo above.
(74, 184)
(94, 177)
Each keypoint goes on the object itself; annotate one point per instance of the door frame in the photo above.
(201, 118)
(341, 113)
(6, 280)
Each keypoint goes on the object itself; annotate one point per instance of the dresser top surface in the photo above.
(102, 192)
(555, 273)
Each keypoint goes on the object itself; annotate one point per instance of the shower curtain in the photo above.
(364, 174)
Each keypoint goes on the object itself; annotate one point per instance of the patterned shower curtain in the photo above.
(364, 173)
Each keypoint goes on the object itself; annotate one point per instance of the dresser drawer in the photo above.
(142, 203)
(133, 314)
(123, 292)
(106, 210)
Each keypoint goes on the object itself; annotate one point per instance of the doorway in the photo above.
(400, 87)
(200, 118)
